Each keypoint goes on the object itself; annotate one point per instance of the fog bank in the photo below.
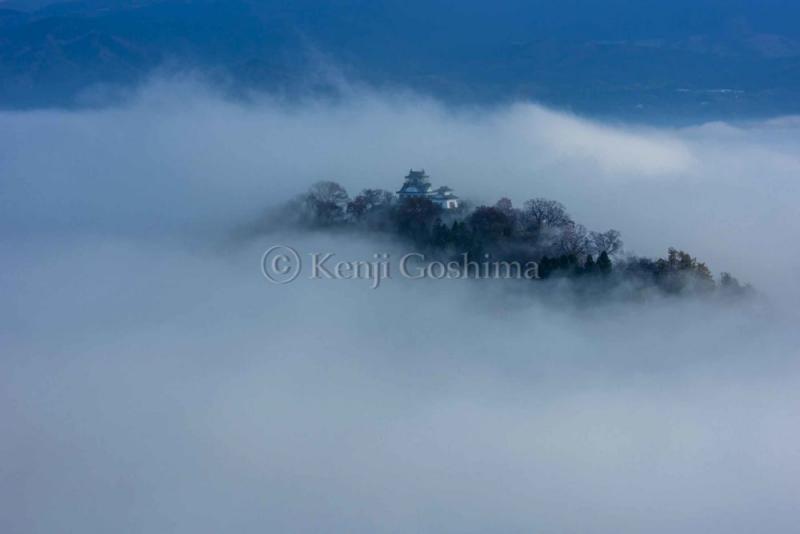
(152, 380)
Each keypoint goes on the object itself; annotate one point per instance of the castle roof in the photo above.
(417, 175)
(417, 185)
(443, 193)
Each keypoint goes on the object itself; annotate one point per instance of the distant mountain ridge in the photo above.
(619, 57)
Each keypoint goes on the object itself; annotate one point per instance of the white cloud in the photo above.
(613, 151)
(151, 380)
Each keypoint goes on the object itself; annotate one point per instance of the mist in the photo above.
(152, 380)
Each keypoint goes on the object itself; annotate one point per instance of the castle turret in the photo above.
(417, 185)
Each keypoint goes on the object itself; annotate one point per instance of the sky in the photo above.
(152, 380)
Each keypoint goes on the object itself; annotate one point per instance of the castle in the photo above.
(417, 185)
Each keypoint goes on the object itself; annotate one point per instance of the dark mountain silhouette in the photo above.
(622, 57)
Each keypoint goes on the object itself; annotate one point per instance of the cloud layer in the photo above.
(151, 380)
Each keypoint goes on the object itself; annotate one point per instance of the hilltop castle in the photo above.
(417, 185)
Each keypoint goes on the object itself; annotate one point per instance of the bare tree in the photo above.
(608, 242)
(541, 213)
(574, 240)
(368, 201)
(504, 205)
(329, 192)
(326, 202)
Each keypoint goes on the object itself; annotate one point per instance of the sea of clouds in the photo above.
(151, 380)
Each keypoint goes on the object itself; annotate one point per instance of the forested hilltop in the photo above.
(541, 231)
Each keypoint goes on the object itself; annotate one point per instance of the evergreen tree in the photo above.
(440, 234)
(589, 266)
(604, 263)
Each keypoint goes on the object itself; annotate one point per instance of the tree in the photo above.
(540, 212)
(415, 215)
(491, 224)
(326, 203)
(357, 208)
(545, 267)
(681, 272)
(541, 222)
(731, 286)
(331, 192)
(574, 240)
(608, 241)
(589, 266)
(370, 204)
(368, 201)
(461, 237)
(726, 281)
(505, 205)
(604, 265)
(440, 234)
